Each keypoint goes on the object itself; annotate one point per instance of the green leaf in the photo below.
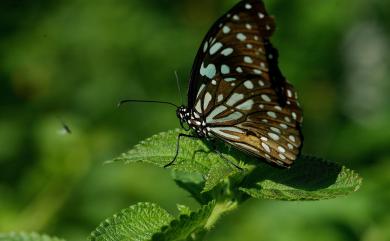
(22, 236)
(310, 178)
(146, 221)
(218, 172)
(192, 183)
(138, 222)
(186, 226)
(160, 150)
(183, 209)
(194, 157)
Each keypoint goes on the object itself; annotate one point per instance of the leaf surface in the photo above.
(22, 236)
(136, 223)
(309, 178)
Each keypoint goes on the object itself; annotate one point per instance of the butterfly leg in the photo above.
(225, 158)
(178, 147)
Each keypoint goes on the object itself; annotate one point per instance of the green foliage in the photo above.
(310, 178)
(186, 226)
(21, 236)
(211, 180)
(183, 209)
(159, 148)
(138, 222)
(146, 221)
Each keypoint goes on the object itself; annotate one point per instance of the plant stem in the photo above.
(219, 209)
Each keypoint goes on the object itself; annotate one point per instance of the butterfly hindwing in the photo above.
(236, 87)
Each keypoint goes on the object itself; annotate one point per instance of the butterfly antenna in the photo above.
(146, 101)
(178, 87)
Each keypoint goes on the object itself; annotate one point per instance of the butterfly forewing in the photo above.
(224, 32)
(236, 87)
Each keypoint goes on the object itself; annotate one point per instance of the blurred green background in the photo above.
(73, 60)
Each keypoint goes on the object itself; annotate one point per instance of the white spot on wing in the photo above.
(207, 99)
(230, 79)
(271, 114)
(241, 36)
(217, 46)
(248, 60)
(274, 129)
(247, 105)
(281, 149)
(265, 98)
(200, 90)
(261, 83)
(273, 136)
(208, 71)
(233, 116)
(225, 69)
(227, 52)
(226, 29)
(261, 15)
(205, 46)
(198, 107)
(222, 132)
(289, 93)
(266, 147)
(294, 115)
(284, 126)
(257, 71)
(248, 84)
(217, 110)
(234, 98)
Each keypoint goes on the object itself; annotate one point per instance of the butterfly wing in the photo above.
(236, 87)
(220, 30)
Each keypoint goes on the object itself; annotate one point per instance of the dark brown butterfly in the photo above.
(237, 93)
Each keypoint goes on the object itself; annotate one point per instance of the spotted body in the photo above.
(237, 92)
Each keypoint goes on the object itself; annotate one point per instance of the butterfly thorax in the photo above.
(191, 119)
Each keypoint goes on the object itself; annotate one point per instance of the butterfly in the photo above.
(237, 93)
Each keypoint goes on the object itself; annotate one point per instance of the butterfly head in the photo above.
(184, 116)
